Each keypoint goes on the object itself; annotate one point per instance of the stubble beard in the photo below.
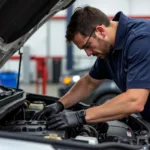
(105, 47)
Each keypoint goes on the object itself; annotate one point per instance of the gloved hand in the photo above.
(52, 109)
(66, 119)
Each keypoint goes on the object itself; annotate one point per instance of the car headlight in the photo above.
(76, 78)
(69, 79)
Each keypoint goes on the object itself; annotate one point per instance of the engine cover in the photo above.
(117, 131)
(36, 128)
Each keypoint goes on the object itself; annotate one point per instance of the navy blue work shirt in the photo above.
(128, 63)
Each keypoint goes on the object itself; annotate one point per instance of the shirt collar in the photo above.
(121, 30)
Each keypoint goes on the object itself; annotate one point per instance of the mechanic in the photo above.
(122, 48)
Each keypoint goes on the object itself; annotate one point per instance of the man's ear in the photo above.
(100, 31)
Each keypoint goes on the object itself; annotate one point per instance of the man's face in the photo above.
(96, 44)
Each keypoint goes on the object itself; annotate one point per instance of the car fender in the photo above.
(107, 87)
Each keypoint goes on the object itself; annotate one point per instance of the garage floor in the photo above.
(52, 89)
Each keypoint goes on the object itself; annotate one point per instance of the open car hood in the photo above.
(20, 19)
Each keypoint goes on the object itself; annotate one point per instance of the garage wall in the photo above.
(130, 7)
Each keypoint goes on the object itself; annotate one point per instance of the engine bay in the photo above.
(23, 118)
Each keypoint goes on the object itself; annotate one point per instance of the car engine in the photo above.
(19, 114)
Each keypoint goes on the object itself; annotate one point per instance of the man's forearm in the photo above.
(103, 119)
(77, 93)
(117, 108)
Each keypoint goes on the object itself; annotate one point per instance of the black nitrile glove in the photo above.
(52, 109)
(66, 119)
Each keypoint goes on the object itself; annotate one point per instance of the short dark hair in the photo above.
(84, 20)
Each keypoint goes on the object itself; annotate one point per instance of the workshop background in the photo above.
(47, 56)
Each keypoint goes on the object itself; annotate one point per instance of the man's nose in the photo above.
(88, 52)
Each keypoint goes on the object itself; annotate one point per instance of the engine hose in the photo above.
(101, 146)
(88, 130)
(94, 130)
(106, 146)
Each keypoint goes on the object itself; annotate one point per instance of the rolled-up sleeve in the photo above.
(138, 75)
(99, 70)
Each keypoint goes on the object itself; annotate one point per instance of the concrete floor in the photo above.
(51, 89)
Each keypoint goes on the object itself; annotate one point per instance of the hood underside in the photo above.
(20, 19)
